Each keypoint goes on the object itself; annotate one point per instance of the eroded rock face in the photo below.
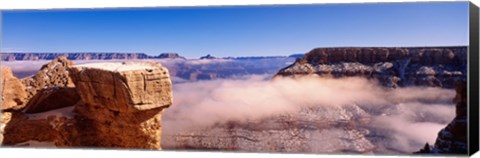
(122, 102)
(52, 98)
(123, 87)
(115, 105)
(393, 67)
(13, 95)
(47, 127)
(120, 130)
(453, 138)
(5, 117)
(16, 94)
(52, 74)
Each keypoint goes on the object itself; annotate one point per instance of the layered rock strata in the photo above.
(393, 67)
(83, 56)
(123, 102)
(52, 74)
(114, 105)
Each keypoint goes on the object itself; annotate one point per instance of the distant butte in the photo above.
(392, 66)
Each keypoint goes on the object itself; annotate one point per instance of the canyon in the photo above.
(330, 100)
(347, 128)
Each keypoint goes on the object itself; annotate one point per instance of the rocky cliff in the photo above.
(453, 138)
(113, 105)
(393, 67)
(83, 56)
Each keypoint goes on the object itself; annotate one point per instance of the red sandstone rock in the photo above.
(13, 95)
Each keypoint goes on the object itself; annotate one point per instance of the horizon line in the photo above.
(149, 54)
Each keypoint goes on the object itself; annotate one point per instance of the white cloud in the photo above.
(418, 115)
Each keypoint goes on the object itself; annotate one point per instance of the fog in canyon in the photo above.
(409, 116)
(412, 116)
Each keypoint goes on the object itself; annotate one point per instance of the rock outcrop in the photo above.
(114, 105)
(52, 98)
(123, 102)
(52, 74)
(5, 117)
(453, 138)
(12, 91)
(393, 67)
(119, 87)
(53, 127)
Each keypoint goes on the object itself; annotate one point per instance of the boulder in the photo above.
(52, 74)
(123, 87)
(122, 103)
(114, 105)
(12, 90)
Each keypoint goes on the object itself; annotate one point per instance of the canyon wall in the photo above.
(453, 138)
(83, 56)
(392, 67)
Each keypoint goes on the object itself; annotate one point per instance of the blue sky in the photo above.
(236, 31)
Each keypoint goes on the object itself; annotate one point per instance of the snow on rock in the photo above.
(66, 112)
(50, 75)
(116, 66)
